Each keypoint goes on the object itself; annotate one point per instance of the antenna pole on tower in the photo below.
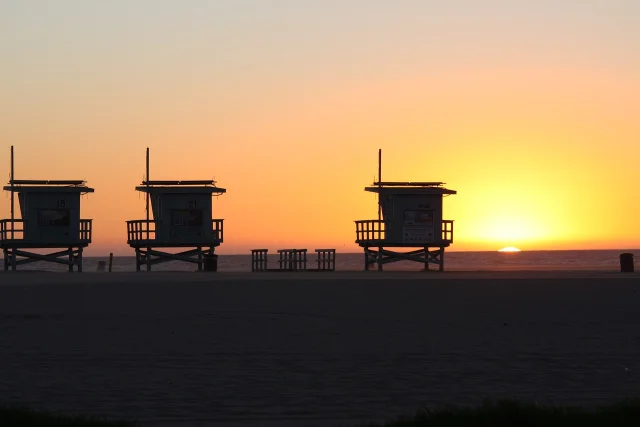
(379, 183)
(12, 196)
(147, 193)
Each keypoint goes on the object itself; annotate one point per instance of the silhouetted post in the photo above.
(12, 196)
(379, 206)
(110, 261)
(626, 263)
(379, 181)
(147, 193)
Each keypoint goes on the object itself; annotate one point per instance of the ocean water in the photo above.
(457, 261)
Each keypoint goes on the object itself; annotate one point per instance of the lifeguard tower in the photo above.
(409, 216)
(50, 219)
(182, 213)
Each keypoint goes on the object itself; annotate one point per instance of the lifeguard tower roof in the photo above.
(410, 188)
(191, 187)
(45, 186)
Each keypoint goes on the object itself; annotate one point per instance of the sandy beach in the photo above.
(305, 349)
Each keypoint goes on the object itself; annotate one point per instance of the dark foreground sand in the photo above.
(313, 349)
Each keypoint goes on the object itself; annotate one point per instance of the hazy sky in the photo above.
(531, 110)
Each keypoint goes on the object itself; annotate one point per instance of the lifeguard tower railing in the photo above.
(12, 231)
(372, 232)
(142, 231)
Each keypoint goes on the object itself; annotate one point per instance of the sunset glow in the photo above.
(509, 249)
(529, 113)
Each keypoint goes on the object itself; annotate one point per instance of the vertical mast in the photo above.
(12, 196)
(148, 193)
(379, 183)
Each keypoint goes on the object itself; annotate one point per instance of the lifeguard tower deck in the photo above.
(409, 216)
(50, 219)
(182, 212)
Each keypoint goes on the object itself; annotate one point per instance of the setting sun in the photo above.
(509, 249)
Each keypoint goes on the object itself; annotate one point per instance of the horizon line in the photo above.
(451, 251)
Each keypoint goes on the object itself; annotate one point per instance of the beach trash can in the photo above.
(626, 263)
(210, 262)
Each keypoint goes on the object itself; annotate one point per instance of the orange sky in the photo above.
(543, 150)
